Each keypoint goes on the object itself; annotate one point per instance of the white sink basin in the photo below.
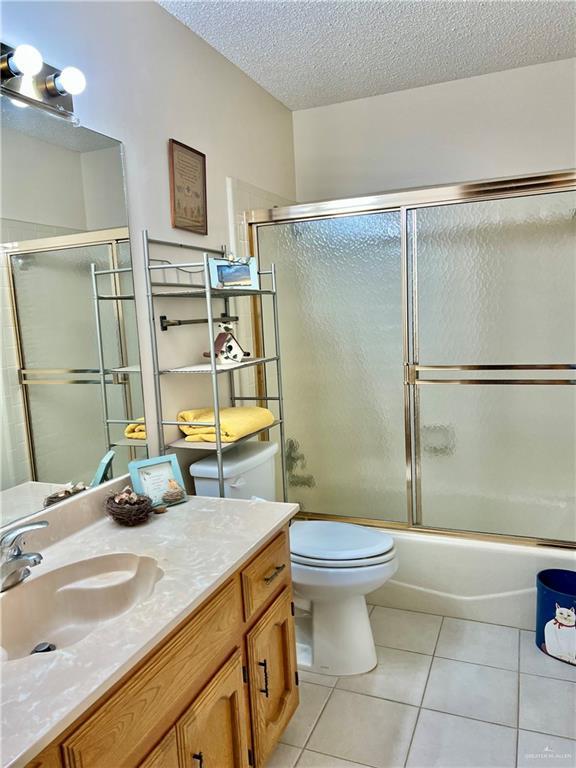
(66, 604)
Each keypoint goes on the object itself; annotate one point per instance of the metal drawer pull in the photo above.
(264, 690)
(200, 757)
(276, 572)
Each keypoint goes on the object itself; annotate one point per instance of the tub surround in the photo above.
(198, 545)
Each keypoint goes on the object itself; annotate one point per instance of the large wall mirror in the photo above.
(63, 209)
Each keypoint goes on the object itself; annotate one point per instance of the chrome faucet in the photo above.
(15, 564)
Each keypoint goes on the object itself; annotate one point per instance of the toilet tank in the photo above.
(249, 470)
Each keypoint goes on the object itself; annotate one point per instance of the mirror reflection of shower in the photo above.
(66, 209)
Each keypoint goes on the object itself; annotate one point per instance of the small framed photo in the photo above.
(234, 274)
(187, 188)
(159, 478)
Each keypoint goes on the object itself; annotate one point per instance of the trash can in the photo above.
(249, 470)
(556, 614)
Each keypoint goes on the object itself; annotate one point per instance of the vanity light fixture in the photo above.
(23, 60)
(71, 80)
(28, 81)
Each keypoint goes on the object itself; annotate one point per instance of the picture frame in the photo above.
(103, 469)
(233, 275)
(151, 477)
(188, 208)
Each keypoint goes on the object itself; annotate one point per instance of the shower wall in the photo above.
(487, 284)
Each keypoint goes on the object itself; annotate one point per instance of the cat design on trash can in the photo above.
(560, 635)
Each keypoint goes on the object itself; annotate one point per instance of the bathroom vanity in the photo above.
(201, 673)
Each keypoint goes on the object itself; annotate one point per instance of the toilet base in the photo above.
(335, 637)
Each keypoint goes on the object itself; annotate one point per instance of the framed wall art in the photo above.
(187, 188)
(159, 478)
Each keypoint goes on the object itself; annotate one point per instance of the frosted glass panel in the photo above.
(58, 331)
(499, 459)
(497, 281)
(56, 309)
(340, 298)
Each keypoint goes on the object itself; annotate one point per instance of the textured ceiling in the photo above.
(315, 52)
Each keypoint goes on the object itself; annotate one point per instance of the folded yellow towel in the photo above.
(234, 423)
(136, 431)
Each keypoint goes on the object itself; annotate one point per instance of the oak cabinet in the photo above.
(213, 732)
(166, 753)
(217, 693)
(273, 675)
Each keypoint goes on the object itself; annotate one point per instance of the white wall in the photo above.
(56, 197)
(151, 79)
(516, 122)
(103, 188)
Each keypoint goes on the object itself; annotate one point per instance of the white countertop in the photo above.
(23, 499)
(198, 545)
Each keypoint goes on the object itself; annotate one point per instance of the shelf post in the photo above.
(155, 364)
(100, 353)
(214, 376)
(279, 381)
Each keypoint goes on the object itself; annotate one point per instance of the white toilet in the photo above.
(334, 565)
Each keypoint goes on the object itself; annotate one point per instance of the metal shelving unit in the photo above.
(112, 375)
(182, 287)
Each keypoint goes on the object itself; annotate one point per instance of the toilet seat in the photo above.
(361, 562)
(325, 544)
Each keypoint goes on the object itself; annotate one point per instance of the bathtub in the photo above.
(484, 581)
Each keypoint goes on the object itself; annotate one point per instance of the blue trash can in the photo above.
(556, 614)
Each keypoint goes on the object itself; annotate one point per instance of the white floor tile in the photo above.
(479, 643)
(536, 750)
(548, 706)
(314, 677)
(536, 662)
(473, 691)
(312, 699)
(365, 730)
(316, 760)
(446, 741)
(400, 675)
(283, 756)
(405, 630)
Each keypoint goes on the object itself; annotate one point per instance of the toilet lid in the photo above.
(324, 540)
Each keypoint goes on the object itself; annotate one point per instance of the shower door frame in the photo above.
(406, 203)
(108, 237)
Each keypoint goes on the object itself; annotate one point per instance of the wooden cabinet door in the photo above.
(165, 755)
(212, 733)
(272, 673)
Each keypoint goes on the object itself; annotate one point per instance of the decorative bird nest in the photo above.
(127, 508)
(64, 493)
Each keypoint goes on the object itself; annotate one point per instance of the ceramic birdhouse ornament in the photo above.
(227, 348)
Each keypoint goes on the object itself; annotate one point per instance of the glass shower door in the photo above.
(494, 347)
(340, 306)
(58, 343)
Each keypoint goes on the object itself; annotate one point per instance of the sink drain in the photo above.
(43, 648)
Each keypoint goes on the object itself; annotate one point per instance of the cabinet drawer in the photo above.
(266, 575)
(128, 725)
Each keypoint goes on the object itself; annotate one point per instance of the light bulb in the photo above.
(70, 80)
(26, 60)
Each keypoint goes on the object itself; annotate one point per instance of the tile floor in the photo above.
(446, 693)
